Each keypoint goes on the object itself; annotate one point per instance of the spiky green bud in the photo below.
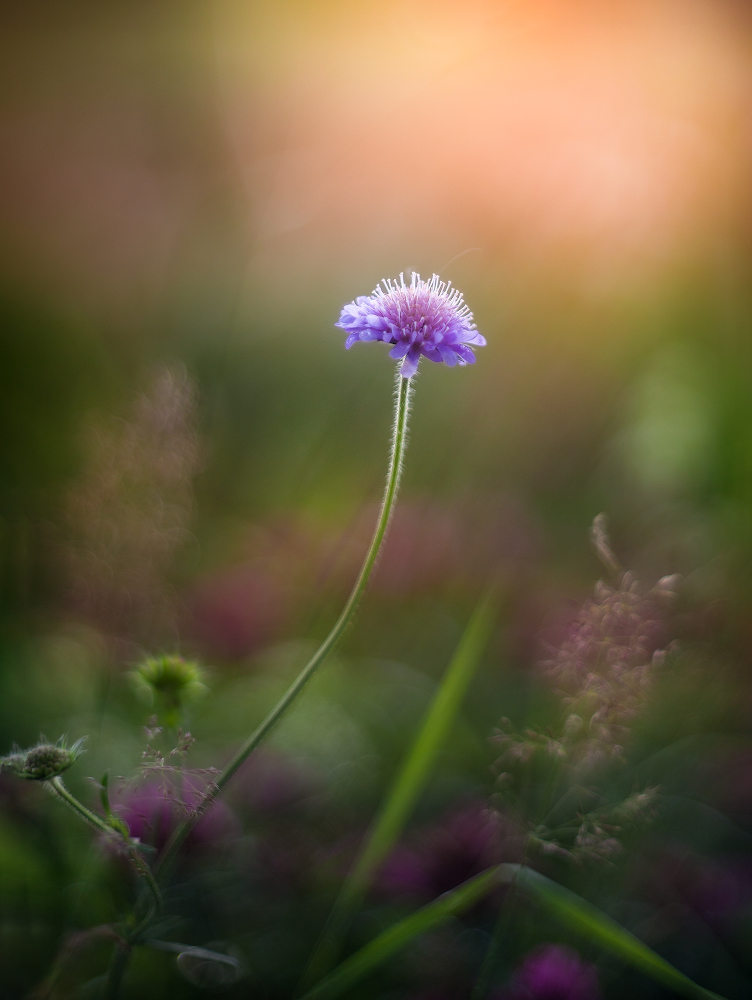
(42, 762)
(169, 675)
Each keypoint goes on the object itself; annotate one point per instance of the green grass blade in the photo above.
(574, 912)
(438, 721)
(408, 785)
(580, 916)
(378, 951)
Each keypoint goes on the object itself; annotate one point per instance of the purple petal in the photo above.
(410, 364)
(447, 355)
(432, 354)
(350, 341)
(400, 350)
(466, 355)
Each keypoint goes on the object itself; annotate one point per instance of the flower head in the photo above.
(45, 760)
(169, 675)
(427, 318)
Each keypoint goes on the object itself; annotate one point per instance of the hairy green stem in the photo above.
(403, 393)
(56, 785)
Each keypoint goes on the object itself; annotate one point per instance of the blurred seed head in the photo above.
(128, 514)
(605, 666)
(602, 670)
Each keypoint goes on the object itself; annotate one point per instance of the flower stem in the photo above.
(399, 442)
(139, 864)
(118, 965)
(57, 786)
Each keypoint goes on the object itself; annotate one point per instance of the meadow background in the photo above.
(189, 459)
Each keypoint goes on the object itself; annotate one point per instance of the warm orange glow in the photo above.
(603, 138)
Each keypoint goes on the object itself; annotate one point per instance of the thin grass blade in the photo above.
(574, 912)
(395, 938)
(408, 785)
(585, 919)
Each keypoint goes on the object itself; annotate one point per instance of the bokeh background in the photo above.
(189, 460)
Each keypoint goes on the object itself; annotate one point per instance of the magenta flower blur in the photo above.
(424, 318)
(553, 972)
(152, 812)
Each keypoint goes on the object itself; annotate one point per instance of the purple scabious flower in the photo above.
(427, 318)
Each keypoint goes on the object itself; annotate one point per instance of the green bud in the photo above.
(171, 680)
(42, 762)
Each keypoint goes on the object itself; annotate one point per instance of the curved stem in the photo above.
(399, 443)
(122, 953)
(57, 786)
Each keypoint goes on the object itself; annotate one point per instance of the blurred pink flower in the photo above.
(722, 889)
(235, 612)
(464, 843)
(553, 972)
(717, 889)
(152, 812)
(431, 545)
(270, 783)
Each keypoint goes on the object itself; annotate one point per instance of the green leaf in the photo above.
(408, 785)
(573, 911)
(378, 951)
(190, 949)
(580, 916)
(203, 967)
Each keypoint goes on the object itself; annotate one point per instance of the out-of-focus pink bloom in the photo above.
(552, 972)
(727, 774)
(236, 612)
(722, 890)
(153, 811)
(431, 545)
(717, 890)
(270, 783)
(463, 844)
